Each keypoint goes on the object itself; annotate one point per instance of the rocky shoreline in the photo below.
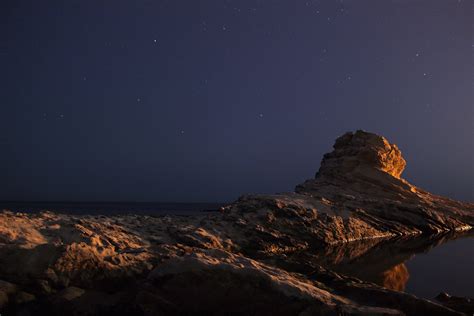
(257, 256)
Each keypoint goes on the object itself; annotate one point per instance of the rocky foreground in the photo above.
(262, 255)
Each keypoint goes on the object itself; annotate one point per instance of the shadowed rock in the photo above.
(257, 256)
(463, 304)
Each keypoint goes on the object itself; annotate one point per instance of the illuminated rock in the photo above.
(166, 264)
(353, 151)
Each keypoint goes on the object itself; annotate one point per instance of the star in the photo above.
(154, 41)
(260, 115)
(224, 28)
(182, 132)
(138, 99)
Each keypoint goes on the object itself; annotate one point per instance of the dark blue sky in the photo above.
(206, 100)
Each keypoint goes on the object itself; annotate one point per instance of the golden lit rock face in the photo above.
(251, 246)
(360, 180)
(362, 149)
(396, 278)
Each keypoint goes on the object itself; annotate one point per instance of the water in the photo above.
(423, 266)
(449, 267)
(112, 208)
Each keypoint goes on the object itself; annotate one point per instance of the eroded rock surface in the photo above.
(255, 257)
(357, 194)
(361, 150)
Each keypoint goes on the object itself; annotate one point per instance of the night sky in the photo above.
(202, 101)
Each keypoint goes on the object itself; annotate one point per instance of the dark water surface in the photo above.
(112, 208)
(424, 266)
(448, 267)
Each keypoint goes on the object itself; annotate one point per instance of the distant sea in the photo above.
(111, 208)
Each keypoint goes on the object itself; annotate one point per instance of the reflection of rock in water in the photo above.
(378, 261)
(396, 278)
(241, 260)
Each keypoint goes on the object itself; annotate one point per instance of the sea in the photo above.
(112, 208)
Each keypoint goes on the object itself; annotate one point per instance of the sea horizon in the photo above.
(112, 207)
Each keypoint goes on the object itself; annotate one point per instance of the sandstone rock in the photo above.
(355, 151)
(43, 287)
(3, 299)
(228, 280)
(24, 297)
(264, 250)
(357, 194)
(71, 293)
(7, 287)
(20, 229)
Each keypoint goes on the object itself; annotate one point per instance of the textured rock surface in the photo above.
(360, 150)
(357, 194)
(259, 250)
(369, 187)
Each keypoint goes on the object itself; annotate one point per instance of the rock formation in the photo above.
(357, 194)
(360, 150)
(256, 256)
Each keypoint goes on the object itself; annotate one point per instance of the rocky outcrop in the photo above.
(268, 251)
(359, 151)
(362, 176)
(357, 194)
(229, 280)
(137, 274)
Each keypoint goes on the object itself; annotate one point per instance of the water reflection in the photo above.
(382, 261)
(395, 278)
